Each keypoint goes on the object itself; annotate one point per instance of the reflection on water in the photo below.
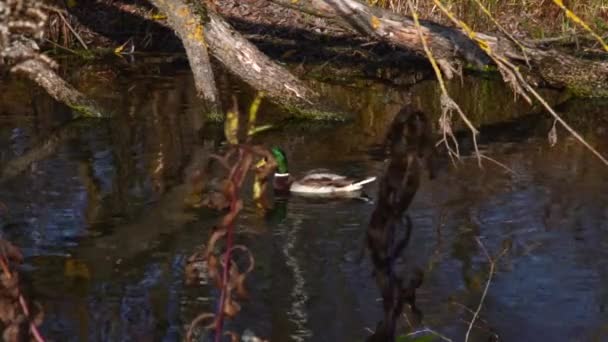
(298, 297)
(98, 211)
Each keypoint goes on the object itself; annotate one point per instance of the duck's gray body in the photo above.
(322, 183)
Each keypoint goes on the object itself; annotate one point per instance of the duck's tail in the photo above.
(363, 182)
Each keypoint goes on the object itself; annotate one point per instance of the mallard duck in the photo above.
(322, 183)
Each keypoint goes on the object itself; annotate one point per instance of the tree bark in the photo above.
(40, 70)
(584, 77)
(238, 55)
(384, 25)
(58, 88)
(189, 27)
(244, 59)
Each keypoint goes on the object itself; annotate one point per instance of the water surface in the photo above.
(100, 217)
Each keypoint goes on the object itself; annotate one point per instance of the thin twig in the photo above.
(581, 23)
(488, 282)
(485, 10)
(568, 128)
(499, 164)
(480, 327)
(430, 331)
(72, 30)
(447, 103)
(61, 47)
(514, 78)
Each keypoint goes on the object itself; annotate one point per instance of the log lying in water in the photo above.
(191, 32)
(41, 72)
(585, 78)
(242, 58)
(198, 25)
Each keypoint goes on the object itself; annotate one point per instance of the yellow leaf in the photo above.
(159, 17)
(257, 129)
(71, 3)
(375, 22)
(76, 269)
(193, 200)
(231, 127)
(261, 163)
(119, 49)
(257, 190)
(253, 111)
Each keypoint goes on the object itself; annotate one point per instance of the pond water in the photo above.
(98, 212)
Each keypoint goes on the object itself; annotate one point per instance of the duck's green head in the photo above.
(281, 160)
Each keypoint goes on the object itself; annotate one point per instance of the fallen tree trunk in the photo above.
(198, 25)
(192, 35)
(22, 25)
(584, 77)
(244, 59)
(379, 24)
(38, 68)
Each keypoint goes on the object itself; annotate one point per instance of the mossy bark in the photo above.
(585, 78)
(42, 74)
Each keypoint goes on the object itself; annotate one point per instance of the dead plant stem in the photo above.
(447, 103)
(491, 270)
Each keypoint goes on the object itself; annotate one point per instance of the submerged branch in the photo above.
(40, 151)
(491, 271)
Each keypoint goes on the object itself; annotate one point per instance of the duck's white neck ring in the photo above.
(281, 174)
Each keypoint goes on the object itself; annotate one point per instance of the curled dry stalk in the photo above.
(222, 268)
(15, 312)
(512, 76)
